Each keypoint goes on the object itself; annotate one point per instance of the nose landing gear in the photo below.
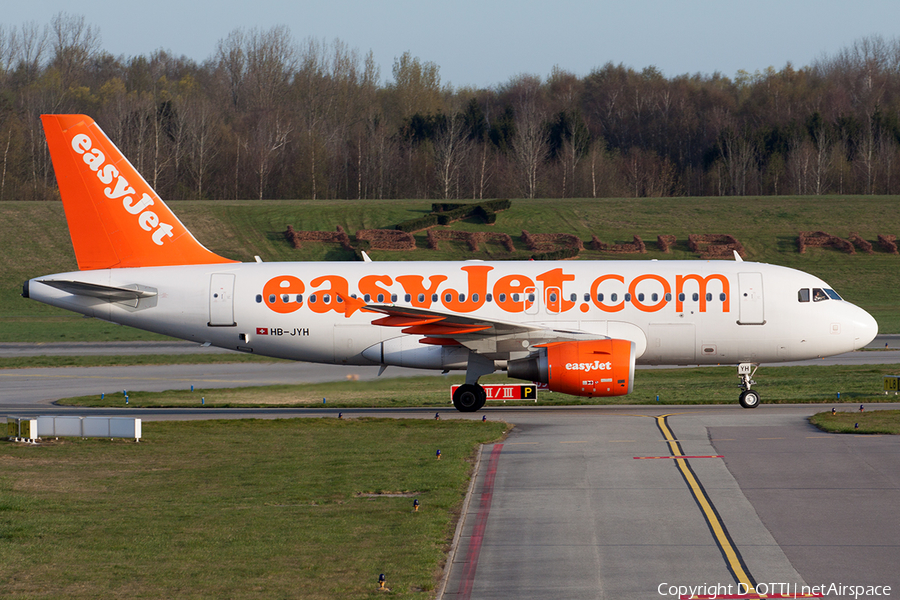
(749, 398)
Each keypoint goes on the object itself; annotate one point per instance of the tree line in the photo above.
(266, 116)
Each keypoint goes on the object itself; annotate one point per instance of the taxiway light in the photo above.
(838, 395)
(862, 408)
(381, 581)
(192, 387)
(101, 395)
(202, 401)
(438, 454)
(416, 505)
(126, 399)
(856, 426)
(483, 418)
(437, 416)
(833, 411)
(323, 400)
(340, 415)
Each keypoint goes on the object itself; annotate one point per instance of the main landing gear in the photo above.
(748, 398)
(469, 397)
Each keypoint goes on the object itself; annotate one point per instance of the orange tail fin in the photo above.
(115, 218)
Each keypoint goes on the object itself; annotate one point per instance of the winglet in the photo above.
(115, 218)
(737, 257)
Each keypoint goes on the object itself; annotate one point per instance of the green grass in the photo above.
(872, 422)
(236, 509)
(711, 385)
(34, 241)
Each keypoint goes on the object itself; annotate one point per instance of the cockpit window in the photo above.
(803, 295)
(819, 295)
(833, 294)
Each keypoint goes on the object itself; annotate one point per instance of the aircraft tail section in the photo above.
(115, 218)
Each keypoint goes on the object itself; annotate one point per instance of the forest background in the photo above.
(267, 116)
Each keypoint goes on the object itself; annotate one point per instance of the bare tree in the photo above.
(530, 145)
(232, 61)
(75, 44)
(740, 157)
(451, 145)
(202, 132)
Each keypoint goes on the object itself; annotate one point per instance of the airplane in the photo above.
(579, 327)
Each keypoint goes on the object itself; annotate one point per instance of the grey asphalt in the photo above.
(574, 515)
(22, 388)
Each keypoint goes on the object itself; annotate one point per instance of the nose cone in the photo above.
(865, 328)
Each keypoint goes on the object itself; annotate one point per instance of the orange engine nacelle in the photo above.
(590, 368)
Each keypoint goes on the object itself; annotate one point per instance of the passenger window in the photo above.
(819, 295)
(695, 296)
(381, 297)
(489, 298)
(393, 297)
(640, 297)
(668, 297)
(681, 297)
(474, 297)
(258, 298)
(587, 297)
(502, 297)
(271, 298)
(573, 297)
(708, 296)
(722, 297)
(299, 298)
(803, 295)
(515, 297)
(654, 297)
(421, 297)
(613, 297)
(367, 298)
(552, 297)
(407, 298)
(627, 297)
(312, 299)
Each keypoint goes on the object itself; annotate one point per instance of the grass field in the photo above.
(712, 385)
(236, 509)
(34, 241)
(880, 422)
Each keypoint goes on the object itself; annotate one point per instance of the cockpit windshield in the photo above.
(817, 295)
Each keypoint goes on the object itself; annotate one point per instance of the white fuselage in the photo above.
(676, 312)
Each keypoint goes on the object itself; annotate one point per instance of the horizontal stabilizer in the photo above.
(104, 292)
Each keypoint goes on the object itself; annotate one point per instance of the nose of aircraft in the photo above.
(865, 328)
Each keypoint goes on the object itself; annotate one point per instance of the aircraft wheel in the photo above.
(749, 399)
(469, 397)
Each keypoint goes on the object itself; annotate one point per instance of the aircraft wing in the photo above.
(485, 336)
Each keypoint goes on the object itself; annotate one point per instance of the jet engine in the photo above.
(586, 368)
